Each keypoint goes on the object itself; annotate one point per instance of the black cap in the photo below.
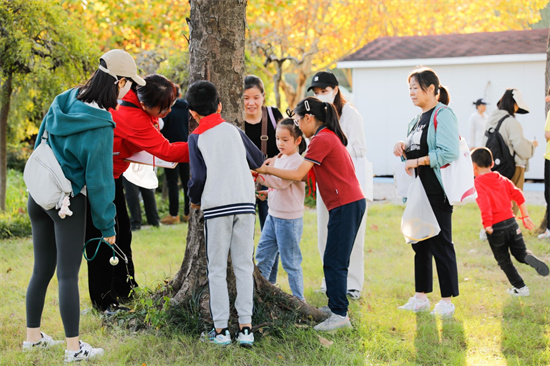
(479, 102)
(323, 79)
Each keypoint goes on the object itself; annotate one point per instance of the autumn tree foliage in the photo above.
(300, 37)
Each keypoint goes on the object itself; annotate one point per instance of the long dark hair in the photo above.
(323, 112)
(426, 77)
(101, 89)
(288, 123)
(507, 102)
(157, 92)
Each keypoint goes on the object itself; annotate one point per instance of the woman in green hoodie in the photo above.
(80, 133)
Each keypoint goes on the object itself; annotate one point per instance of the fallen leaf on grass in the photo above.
(325, 342)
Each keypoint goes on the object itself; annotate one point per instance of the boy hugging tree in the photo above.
(495, 194)
(221, 157)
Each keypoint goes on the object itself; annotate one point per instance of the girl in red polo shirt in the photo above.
(341, 192)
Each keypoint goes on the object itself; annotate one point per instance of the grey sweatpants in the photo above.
(235, 234)
(57, 243)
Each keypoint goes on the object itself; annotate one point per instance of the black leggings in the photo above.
(57, 242)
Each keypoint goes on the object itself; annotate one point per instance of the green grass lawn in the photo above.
(489, 327)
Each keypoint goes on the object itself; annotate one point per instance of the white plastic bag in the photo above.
(401, 179)
(418, 222)
(458, 177)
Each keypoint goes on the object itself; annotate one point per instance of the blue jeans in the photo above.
(282, 236)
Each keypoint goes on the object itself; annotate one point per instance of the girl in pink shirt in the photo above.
(283, 226)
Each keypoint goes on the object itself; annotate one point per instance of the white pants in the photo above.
(356, 270)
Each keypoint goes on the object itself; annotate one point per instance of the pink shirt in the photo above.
(285, 197)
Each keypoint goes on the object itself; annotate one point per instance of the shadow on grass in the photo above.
(524, 338)
(432, 348)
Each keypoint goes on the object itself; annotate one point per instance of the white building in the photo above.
(471, 66)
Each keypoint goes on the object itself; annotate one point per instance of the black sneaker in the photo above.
(537, 264)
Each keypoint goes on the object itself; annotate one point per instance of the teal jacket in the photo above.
(81, 138)
(443, 143)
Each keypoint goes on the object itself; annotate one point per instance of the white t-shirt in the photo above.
(477, 129)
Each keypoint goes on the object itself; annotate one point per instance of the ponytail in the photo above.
(324, 113)
(444, 95)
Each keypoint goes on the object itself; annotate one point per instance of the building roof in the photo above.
(453, 45)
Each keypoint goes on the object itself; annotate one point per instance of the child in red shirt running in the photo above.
(495, 194)
(341, 192)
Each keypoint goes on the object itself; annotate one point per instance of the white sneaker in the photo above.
(524, 291)
(545, 235)
(223, 338)
(335, 321)
(86, 351)
(245, 338)
(45, 342)
(415, 304)
(443, 308)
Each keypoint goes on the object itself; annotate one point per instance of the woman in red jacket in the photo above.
(136, 130)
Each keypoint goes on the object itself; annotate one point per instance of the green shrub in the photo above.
(15, 220)
(18, 154)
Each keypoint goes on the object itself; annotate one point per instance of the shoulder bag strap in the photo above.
(500, 122)
(272, 117)
(263, 136)
(128, 104)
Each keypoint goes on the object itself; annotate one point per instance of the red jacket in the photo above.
(494, 196)
(136, 131)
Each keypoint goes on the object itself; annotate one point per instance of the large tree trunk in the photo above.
(216, 47)
(7, 89)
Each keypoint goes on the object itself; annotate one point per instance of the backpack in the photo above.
(45, 180)
(504, 161)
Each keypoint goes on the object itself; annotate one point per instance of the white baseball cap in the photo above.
(522, 107)
(120, 63)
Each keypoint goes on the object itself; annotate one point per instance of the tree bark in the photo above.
(216, 48)
(7, 90)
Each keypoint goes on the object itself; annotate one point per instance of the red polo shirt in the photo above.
(334, 169)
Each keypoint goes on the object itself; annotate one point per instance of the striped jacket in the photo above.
(221, 157)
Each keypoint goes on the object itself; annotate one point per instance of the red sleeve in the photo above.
(484, 203)
(514, 192)
(136, 128)
(318, 149)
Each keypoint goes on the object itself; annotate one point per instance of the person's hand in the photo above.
(196, 207)
(263, 168)
(261, 195)
(535, 143)
(399, 148)
(528, 223)
(410, 165)
(110, 239)
(489, 229)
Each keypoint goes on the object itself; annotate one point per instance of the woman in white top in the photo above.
(325, 87)
(478, 120)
